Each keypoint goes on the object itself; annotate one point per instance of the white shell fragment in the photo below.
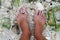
(39, 6)
(48, 0)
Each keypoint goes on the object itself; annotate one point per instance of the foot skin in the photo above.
(39, 20)
(23, 23)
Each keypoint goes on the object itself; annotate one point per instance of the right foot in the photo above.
(40, 21)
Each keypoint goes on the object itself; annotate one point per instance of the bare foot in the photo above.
(39, 20)
(23, 23)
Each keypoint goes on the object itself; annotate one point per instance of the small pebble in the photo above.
(50, 3)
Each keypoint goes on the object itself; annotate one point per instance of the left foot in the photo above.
(22, 19)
